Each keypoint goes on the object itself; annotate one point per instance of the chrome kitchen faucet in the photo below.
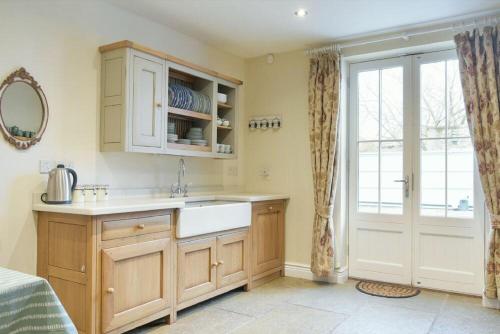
(177, 189)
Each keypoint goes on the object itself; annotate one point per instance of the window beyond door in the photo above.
(380, 140)
(446, 156)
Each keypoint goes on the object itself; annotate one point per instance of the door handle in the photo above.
(406, 181)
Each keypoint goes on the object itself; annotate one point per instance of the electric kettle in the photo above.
(59, 187)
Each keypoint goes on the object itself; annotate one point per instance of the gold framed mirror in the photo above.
(23, 110)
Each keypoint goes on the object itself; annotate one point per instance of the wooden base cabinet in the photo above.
(211, 266)
(268, 227)
(112, 273)
(196, 268)
(135, 282)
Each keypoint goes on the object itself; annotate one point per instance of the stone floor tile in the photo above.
(291, 319)
(375, 319)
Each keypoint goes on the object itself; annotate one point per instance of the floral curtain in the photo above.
(324, 90)
(479, 58)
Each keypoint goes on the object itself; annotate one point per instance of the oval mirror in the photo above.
(23, 109)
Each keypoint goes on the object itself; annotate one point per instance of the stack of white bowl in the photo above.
(196, 137)
(171, 135)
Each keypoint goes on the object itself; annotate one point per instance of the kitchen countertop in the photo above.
(136, 204)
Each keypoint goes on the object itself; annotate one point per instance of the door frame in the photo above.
(391, 223)
(413, 123)
(457, 227)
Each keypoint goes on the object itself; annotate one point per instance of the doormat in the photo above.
(386, 290)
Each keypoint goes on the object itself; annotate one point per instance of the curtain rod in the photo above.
(405, 35)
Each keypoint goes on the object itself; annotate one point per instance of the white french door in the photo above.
(414, 216)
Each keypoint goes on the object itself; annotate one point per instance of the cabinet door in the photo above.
(135, 280)
(267, 237)
(147, 102)
(196, 268)
(232, 258)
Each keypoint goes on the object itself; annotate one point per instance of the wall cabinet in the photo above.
(140, 98)
(148, 77)
(267, 240)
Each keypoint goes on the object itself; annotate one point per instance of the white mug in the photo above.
(253, 124)
(90, 193)
(78, 194)
(263, 123)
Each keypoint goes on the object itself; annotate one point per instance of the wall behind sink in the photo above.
(57, 42)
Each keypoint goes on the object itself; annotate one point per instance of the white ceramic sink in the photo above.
(199, 218)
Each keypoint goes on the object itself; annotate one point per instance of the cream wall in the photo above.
(281, 88)
(57, 42)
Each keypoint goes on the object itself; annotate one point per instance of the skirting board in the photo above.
(299, 270)
(491, 303)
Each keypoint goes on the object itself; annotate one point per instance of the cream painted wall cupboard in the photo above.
(135, 102)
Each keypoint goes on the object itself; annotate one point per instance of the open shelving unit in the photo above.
(226, 134)
(136, 109)
(185, 119)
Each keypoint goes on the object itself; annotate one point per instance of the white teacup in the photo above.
(263, 123)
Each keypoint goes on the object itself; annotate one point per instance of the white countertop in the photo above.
(136, 204)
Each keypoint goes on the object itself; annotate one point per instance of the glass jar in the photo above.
(90, 193)
(78, 194)
(102, 192)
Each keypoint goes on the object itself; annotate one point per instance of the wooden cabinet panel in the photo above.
(121, 228)
(267, 237)
(67, 245)
(232, 258)
(135, 280)
(147, 101)
(196, 268)
(73, 297)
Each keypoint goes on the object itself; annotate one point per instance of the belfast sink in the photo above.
(205, 217)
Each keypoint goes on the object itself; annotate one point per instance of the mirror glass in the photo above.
(21, 110)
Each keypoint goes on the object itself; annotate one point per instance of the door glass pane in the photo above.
(368, 105)
(368, 177)
(391, 126)
(432, 177)
(432, 100)
(460, 178)
(391, 169)
(457, 118)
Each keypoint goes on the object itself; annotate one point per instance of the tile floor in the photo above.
(289, 305)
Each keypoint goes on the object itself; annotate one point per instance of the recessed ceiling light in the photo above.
(301, 12)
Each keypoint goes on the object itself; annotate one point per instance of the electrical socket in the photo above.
(264, 172)
(45, 166)
(232, 171)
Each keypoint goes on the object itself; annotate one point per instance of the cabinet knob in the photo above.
(221, 262)
(158, 105)
(270, 208)
(214, 264)
(82, 269)
(141, 226)
(110, 290)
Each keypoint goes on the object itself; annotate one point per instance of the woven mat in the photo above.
(386, 290)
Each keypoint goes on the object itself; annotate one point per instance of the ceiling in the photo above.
(250, 28)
